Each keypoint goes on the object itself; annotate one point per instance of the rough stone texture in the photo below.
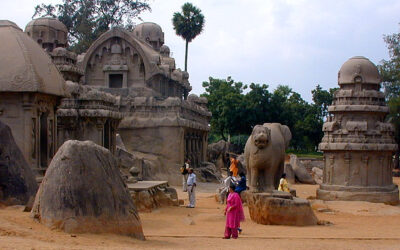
(30, 88)
(317, 174)
(208, 172)
(290, 175)
(217, 153)
(357, 144)
(148, 200)
(280, 208)
(83, 192)
(17, 181)
(265, 155)
(89, 114)
(300, 171)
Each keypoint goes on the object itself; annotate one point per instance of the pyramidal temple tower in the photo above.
(358, 144)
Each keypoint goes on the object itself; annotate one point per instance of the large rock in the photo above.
(208, 172)
(83, 192)
(17, 180)
(280, 208)
(217, 153)
(300, 171)
(157, 197)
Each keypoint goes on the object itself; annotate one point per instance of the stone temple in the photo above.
(358, 144)
(125, 83)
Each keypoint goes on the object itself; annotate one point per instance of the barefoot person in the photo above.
(191, 188)
(234, 214)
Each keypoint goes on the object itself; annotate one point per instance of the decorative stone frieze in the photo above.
(358, 144)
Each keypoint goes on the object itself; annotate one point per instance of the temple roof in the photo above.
(25, 66)
(358, 69)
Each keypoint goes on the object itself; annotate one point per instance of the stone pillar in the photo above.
(357, 144)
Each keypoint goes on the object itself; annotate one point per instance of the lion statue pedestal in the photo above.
(265, 158)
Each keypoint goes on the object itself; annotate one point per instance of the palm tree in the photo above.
(188, 24)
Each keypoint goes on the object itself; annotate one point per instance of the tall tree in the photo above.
(86, 20)
(225, 98)
(188, 24)
(390, 72)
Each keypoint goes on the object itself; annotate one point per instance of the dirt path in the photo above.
(356, 225)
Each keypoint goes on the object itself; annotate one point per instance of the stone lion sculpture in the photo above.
(265, 155)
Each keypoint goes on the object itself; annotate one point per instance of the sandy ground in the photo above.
(356, 225)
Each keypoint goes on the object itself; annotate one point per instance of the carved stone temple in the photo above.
(125, 83)
(358, 144)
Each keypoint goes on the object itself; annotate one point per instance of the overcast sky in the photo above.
(300, 43)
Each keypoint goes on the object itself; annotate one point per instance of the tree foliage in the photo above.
(188, 24)
(390, 73)
(86, 20)
(235, 112)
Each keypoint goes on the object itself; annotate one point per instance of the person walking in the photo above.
(234, 214)
(283, 184)
(191, 188)
(184, 172)
(240, 187)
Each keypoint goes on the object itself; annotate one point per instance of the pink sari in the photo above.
(236, 215)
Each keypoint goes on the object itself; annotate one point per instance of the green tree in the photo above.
(188, 24)
(86, 20)
(225, 98)
(322, 99)
(390, 73)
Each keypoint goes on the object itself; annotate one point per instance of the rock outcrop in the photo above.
(83, 192)
(17, 180)
(208, 172)
(280, 208)
(147, 200)
(300, 171)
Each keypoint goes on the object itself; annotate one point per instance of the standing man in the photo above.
(184, 172)
(191, 185)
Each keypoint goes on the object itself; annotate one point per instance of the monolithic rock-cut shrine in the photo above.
(358, 144)
(126, 81)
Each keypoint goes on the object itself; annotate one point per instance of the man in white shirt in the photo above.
(191, 186)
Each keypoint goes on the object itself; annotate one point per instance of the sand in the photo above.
(356, 225)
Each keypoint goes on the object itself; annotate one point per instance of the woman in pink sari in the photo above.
(234, 214)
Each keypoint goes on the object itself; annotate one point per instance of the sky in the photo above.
(299, 43)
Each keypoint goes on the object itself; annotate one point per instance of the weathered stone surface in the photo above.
(300, 171)
(208, 172)
(280, 208)
(290, 175)
(83, 192)
(358, 144)
(150, 199)
(265, 155)
(317, 174)
(17, 181)
(217, 153)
